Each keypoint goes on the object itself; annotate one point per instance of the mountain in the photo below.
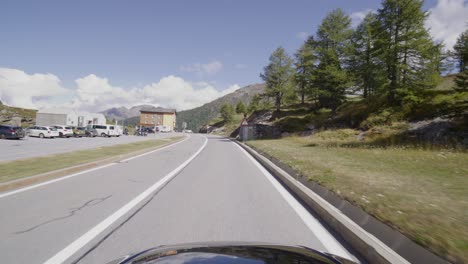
(200, 116)
(122, 113)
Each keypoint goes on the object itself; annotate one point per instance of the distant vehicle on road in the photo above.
(187, 131)
(11, 132)
(43, 132)
(64, 131)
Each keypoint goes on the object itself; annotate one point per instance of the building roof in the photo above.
(157, 110)
(57, 110)
(67, 111)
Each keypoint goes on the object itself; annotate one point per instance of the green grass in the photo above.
(28, 167)
(447, 83)
(228, 127)
(422, 193)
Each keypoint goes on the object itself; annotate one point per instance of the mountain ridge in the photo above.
(199, 116)
(122, 113)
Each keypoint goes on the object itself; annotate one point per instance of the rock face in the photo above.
(261, 125)
(17, 116)
(440, 131)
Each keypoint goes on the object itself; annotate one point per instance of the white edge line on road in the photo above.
(3, 195)
(327, 240)
(76, 245)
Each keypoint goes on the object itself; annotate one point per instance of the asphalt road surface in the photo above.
(200, 189)
(33, 147)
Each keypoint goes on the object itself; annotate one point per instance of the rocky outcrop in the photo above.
(441, 131)
(16, 116)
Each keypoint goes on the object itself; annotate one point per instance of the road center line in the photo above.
(327, 240)
(2, 195)
(76, 245)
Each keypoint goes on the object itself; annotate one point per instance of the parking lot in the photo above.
(29, 147)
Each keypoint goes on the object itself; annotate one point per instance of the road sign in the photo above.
(244, 122)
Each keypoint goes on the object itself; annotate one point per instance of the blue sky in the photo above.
(136, 43)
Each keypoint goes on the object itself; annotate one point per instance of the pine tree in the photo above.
(278, 76)
(460, 51)
(227, 112)
(405, 48)
(365, 66)
(240, 108)
(332, 80)
(254, 104)
(461, 55)
(331, 75)
(305, 67)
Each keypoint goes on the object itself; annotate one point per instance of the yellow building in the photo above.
(158, 116)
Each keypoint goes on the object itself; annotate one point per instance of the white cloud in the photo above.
(200, 68)
(358, 17)
(447, 20)
(94, 93)
(20, 89)
(302, 35)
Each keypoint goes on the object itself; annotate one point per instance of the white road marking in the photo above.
(76, 245)
(2, 195)
(327, 240)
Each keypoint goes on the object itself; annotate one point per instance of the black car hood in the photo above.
(218, 252)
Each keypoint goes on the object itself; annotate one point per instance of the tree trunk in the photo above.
(278, 102)
(302, 97)
(394, 66)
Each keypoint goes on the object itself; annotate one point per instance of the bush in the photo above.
(227, 112)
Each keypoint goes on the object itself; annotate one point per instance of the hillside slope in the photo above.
(15, 115)
(202, 115)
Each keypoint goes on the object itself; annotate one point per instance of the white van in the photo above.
(163, 129)
(103, 130)
(118, 131)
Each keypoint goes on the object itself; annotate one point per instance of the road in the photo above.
(33, 147)
(200, 189)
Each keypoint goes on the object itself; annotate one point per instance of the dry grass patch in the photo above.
(28, 167)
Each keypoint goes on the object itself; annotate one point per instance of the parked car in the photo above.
(90, 132)
(11, 132)
(149, 130)
(43, 132)
(64, 131)
(79, 131)
(163, 129)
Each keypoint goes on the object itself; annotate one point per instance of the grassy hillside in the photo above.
(8, 114)
(202, 115)
(405, 165)
(422, 193)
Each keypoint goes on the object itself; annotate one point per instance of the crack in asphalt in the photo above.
(72, 212)
(127, 219)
